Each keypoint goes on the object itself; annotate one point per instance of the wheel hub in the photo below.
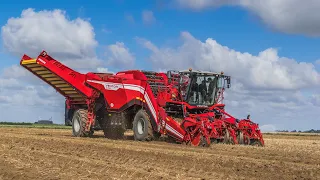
(76, 125)
(140, 126)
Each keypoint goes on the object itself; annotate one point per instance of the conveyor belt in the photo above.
(52, 79)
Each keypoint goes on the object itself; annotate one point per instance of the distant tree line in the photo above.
(15, 123)
(308, 131)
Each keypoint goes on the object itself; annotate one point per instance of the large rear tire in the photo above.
(79, 120)
(142, 127)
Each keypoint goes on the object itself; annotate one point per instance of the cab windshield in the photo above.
(202, 89)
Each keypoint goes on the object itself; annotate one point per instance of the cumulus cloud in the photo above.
(26, 102)
(202, 4)
(268, 128)
(119, 56)
(148, 17)
(316, 99)
(104, 70)
(266, 70)
(65, 39)
(267, 86)
(289, 16)
(71, 41)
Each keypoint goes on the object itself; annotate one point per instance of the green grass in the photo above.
(31, 125)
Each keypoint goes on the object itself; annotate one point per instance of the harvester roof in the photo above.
(202, 72)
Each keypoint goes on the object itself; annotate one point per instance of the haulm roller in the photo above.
(185, 105)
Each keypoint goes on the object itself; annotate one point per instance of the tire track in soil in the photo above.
(169, 159)
(193, 151)
(133, 160)
(101, 168)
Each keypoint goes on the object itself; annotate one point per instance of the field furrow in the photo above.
(54, 154)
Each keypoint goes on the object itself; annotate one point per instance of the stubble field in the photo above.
(32, 153)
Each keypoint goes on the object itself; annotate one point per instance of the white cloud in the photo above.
(104, 70)
(119, 56)
(69, 41)
(202, 4)
(289, 16)
(266, 70)
(64, 39)
(267, 86)
(315, 99)
(268, 128)
(148, 17)
(8, 83)
(317, 62)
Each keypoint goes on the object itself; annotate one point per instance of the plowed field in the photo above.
(30, 153)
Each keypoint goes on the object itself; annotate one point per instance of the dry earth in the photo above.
(29, 153)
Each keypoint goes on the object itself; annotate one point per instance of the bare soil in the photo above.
(54, 154)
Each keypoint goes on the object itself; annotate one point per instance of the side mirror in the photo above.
(228, 82)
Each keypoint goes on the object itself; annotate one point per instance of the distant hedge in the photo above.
(15, 123)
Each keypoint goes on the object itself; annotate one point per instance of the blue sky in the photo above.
(230, 26)
(182, 27)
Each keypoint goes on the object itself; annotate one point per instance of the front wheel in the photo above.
(142, 127)
(79, 120)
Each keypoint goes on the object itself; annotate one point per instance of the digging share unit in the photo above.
(184, 105)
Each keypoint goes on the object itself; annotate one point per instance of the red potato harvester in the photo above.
(186, 105)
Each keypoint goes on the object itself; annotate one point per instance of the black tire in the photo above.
(142, 127)
(114, 126)
(79, 120)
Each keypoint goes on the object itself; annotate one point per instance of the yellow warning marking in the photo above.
(29, 61)
(139, 98)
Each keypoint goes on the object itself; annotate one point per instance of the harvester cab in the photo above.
(205, 88)
(199, 89)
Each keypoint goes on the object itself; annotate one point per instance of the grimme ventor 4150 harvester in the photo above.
(186, 106)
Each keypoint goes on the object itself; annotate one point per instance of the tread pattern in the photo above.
(83, 115)
(151, 134)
